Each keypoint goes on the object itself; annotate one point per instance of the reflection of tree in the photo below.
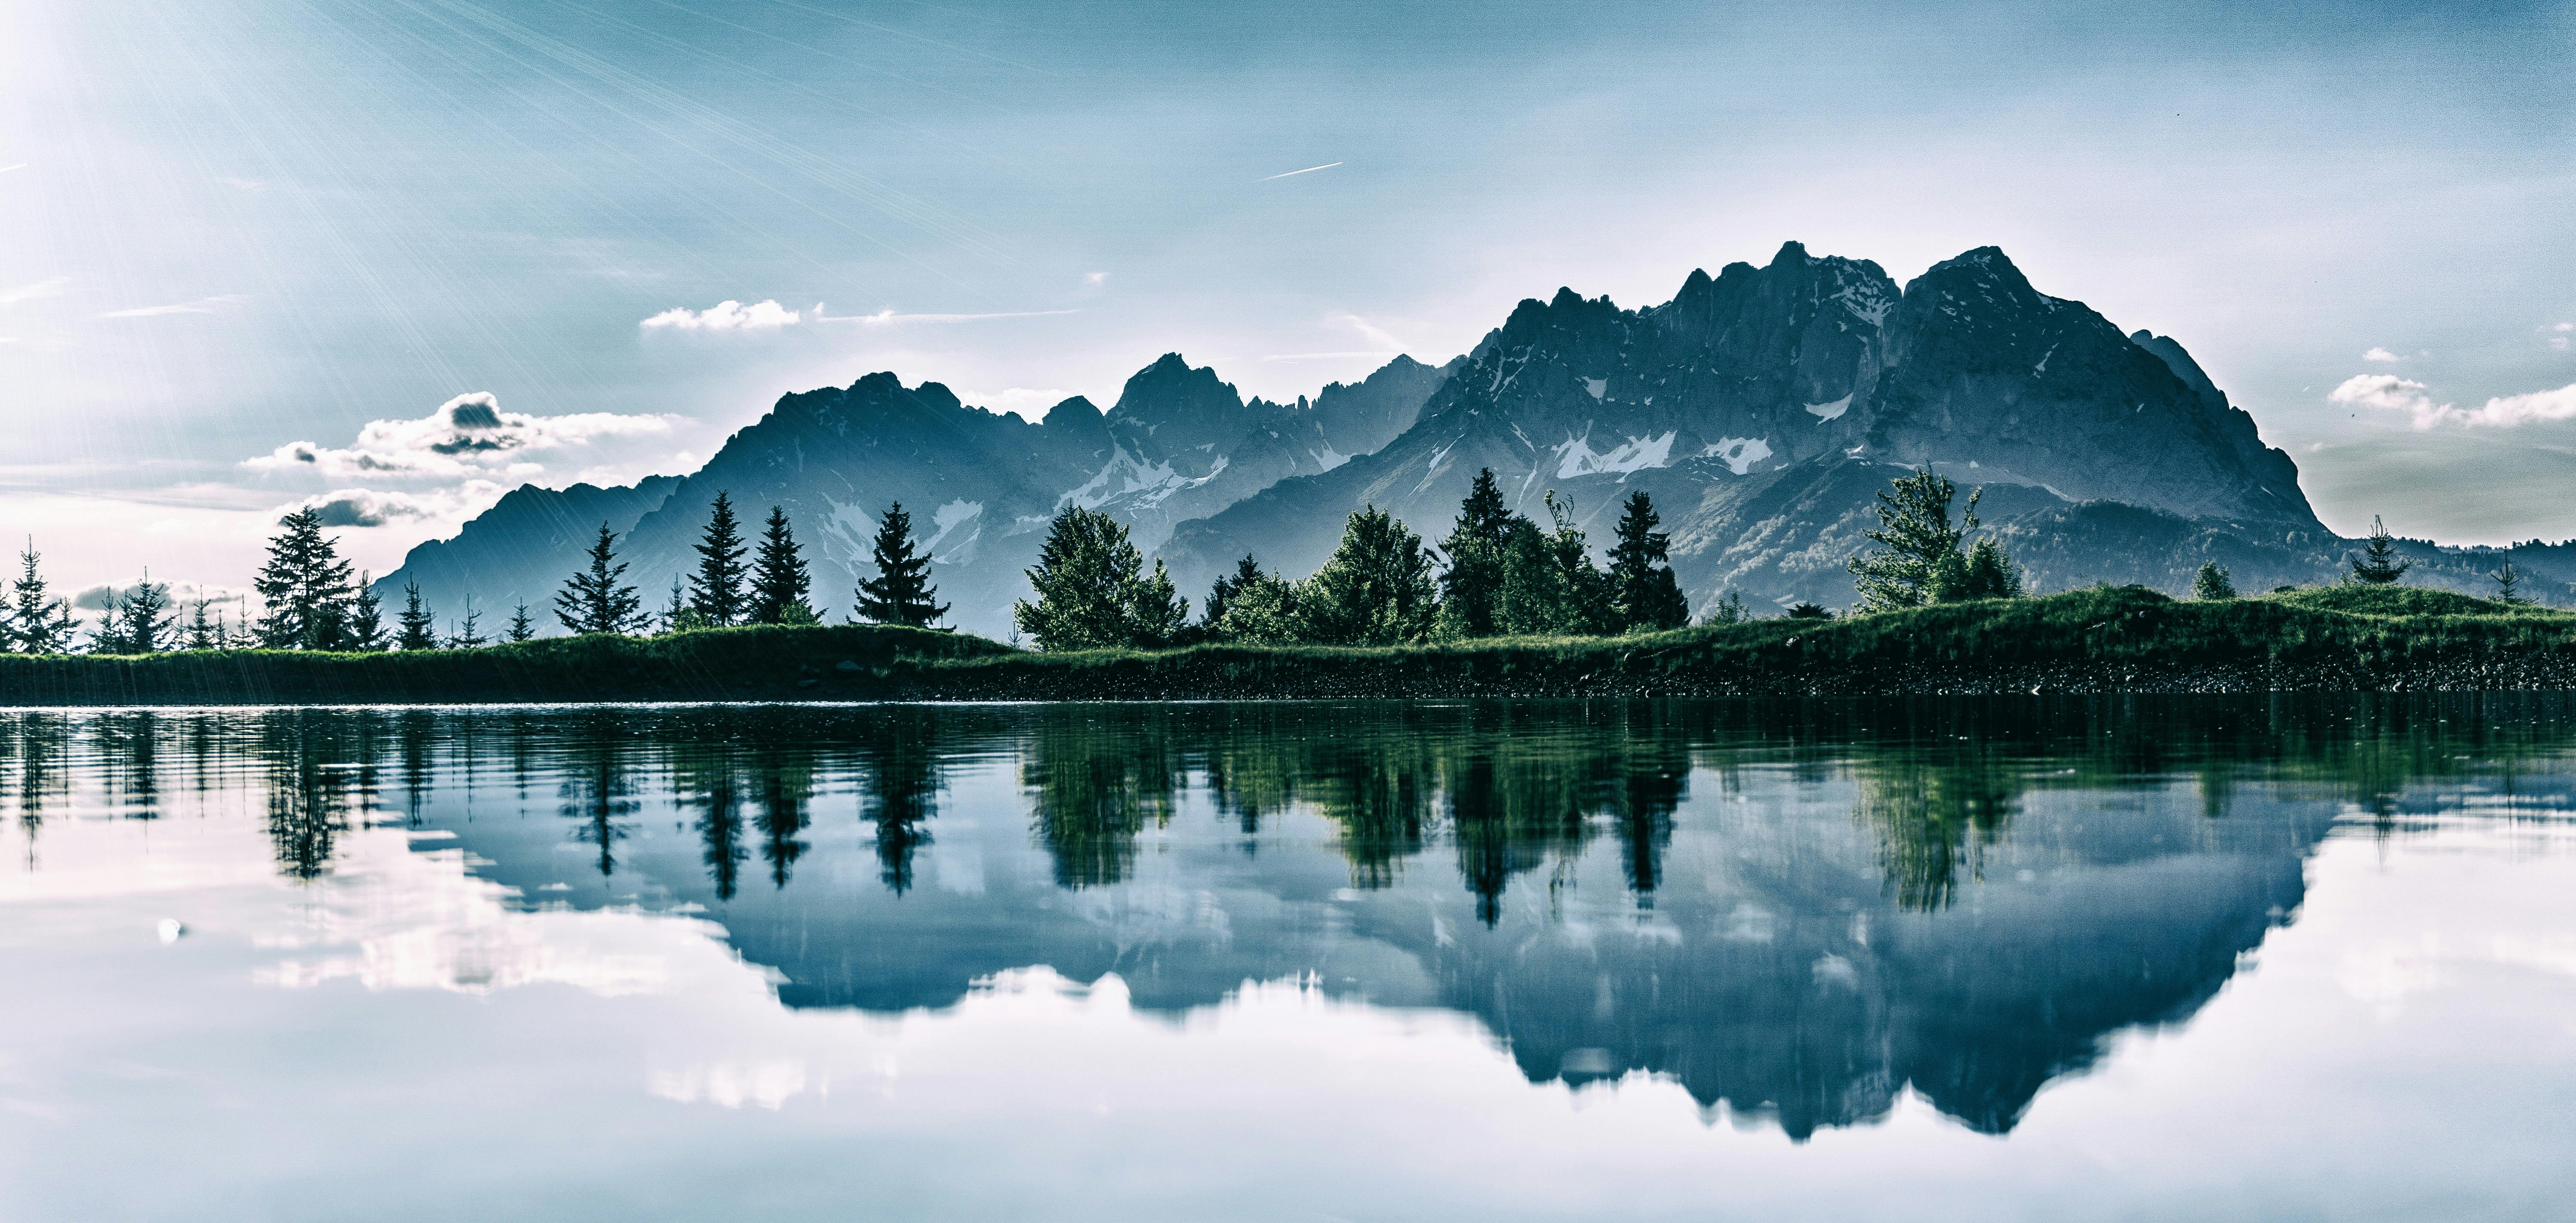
(316, 765)
(902, 760)
(1098, 781)
(703, 775)
(594, 787)
(786, 782)
(40, 742)
(1935, 813)
(128, 744)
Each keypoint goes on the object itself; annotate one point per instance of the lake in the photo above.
(2124, 958)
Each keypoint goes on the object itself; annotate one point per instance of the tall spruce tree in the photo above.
(1644, 594)
(366, 631)
(147, 629)
(1376, 589)
(418, 625)
(37, 620)
(469, 633)
(521, 627)
(779, 582)
(1471, 588)
(901, 593)
(2379, 564)
(200, 633)
(715, 591)
(1093, 590)
(2508, 582)
(592, 600)
(304, 586)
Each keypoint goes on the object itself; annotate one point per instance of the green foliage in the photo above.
(715, 591)
(1809, 611)
(1643, 592)
(592, 600)
(2509, 585)
(902, 593)
(1375, 590)
(366, 624)
(1093, 591)
(35, 621)
(2379, 564)
(1550, 587)
(2212, 583)
(1471, 589)
(1254, 608)
(779, 581)
(203, 633)
(417, 625)
(305, 587)
(521, 627)
(1919, 560)
(1729, 609)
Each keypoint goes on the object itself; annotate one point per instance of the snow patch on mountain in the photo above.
(1598, 386)
(1830, 411)
(949, 517)
(1739, 453)
(1575, 456)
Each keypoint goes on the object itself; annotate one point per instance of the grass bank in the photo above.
(2102, 640)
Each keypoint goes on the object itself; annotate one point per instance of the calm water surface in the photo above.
(2262, 959)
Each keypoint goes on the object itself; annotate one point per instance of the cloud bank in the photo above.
(2389, 392)
(725, 316)
(467, 435)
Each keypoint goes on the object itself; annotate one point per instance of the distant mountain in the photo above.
(1763, 408)
(980, 485)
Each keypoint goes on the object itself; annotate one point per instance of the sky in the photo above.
(257, 254)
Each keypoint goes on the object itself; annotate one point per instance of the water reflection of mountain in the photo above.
(1791, 908)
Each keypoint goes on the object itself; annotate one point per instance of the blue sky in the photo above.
(237, 226)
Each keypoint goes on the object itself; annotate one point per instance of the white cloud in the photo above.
(203, 305)
(43, 288)
(725, 316)
(2381, 354)
(1372, 332)
(1095, 279)
(467, 435)
(360, 507)
(888, 315)
(2390, 392)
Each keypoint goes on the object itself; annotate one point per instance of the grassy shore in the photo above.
(2102, 640)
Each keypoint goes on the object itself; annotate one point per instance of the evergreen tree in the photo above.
(1810, 611)
(1093, 591)
(304, 586)
(108, 635)
(1471, 588)
(2379, 564)
(201, 631)
(37, 621)
(901, 593)
(366, 632)
(521, 628)
(2509, 586)
(1643, 592)
(1377, 588)
(418, 625)
(1921, 560)
(677, 615)
(1550, 586)
(469, 632)
(1728, 610)
(147, 630)
(592, 601)
(2212, 583)
(1255, 608)
(778, 579)
(715, 592)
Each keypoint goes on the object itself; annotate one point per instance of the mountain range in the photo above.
(1763, 408)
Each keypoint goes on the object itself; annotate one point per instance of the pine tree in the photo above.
(1643, 592)
(469, 633)
(305, 587)
(1728, 610)
(108, 635)
(1376, 589)
(366, 633)
(1471, 588)
(2379, 564)
(2509, 586)
(591, 600)
(715, 592)
(521, 628)
(419, 625)
(2212, 583)
(1255, 608)
(901, 593)
(135, 623)
(1093, 591)
(779, 582)
(1987, 574)
(1921, 561)
(38, 622)
(1247, 572)
(201, 631)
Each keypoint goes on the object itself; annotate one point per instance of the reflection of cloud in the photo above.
(467, 434)
(725, 316)
(47, 287)
(2381, 354)
(732, 1085)
(2388, 391)
(203, 305)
